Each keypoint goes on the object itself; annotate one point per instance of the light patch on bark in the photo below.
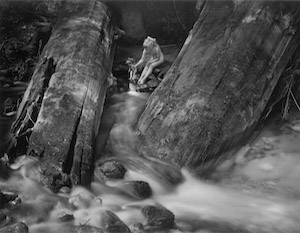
(286, 22)
(24, 99)
(256, 15)
(199, 4)
(40, 124)
(191, 103)
(88, 114)
(157, 109)
(54, 79)
(79, 91)
(188, 39)
(67, 61)
(175, 117)
(249, 18)
(88, 21)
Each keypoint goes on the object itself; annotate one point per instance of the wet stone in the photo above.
(137, 189)
(158, 216)
(15, 228)
(111, 223)
(111, 170)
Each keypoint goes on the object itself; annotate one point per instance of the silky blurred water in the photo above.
(255, 190)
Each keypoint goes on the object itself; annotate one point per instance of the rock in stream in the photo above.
(137, 189)
(158, 216)
(111, 170)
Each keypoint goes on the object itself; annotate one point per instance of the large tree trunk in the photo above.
(59, 116)
(221, 81)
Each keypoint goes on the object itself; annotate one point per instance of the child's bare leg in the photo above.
(143, 79)
(145, 71)
(149, 71)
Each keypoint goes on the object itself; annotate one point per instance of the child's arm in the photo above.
(142, 59)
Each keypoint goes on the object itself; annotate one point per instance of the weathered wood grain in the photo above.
(59, 116)
(218, 87)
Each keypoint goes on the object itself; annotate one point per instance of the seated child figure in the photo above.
(152, 57)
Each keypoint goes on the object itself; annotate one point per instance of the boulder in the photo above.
(110, 170)
(158, 216)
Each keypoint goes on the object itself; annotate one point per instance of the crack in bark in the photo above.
(68, 163)
(74, 158)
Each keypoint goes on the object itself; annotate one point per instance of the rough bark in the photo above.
(217, 88)
(59, 115)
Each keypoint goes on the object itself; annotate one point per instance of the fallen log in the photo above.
(60, 112)
(218, 86)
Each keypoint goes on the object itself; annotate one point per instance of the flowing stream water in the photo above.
(256, 190)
